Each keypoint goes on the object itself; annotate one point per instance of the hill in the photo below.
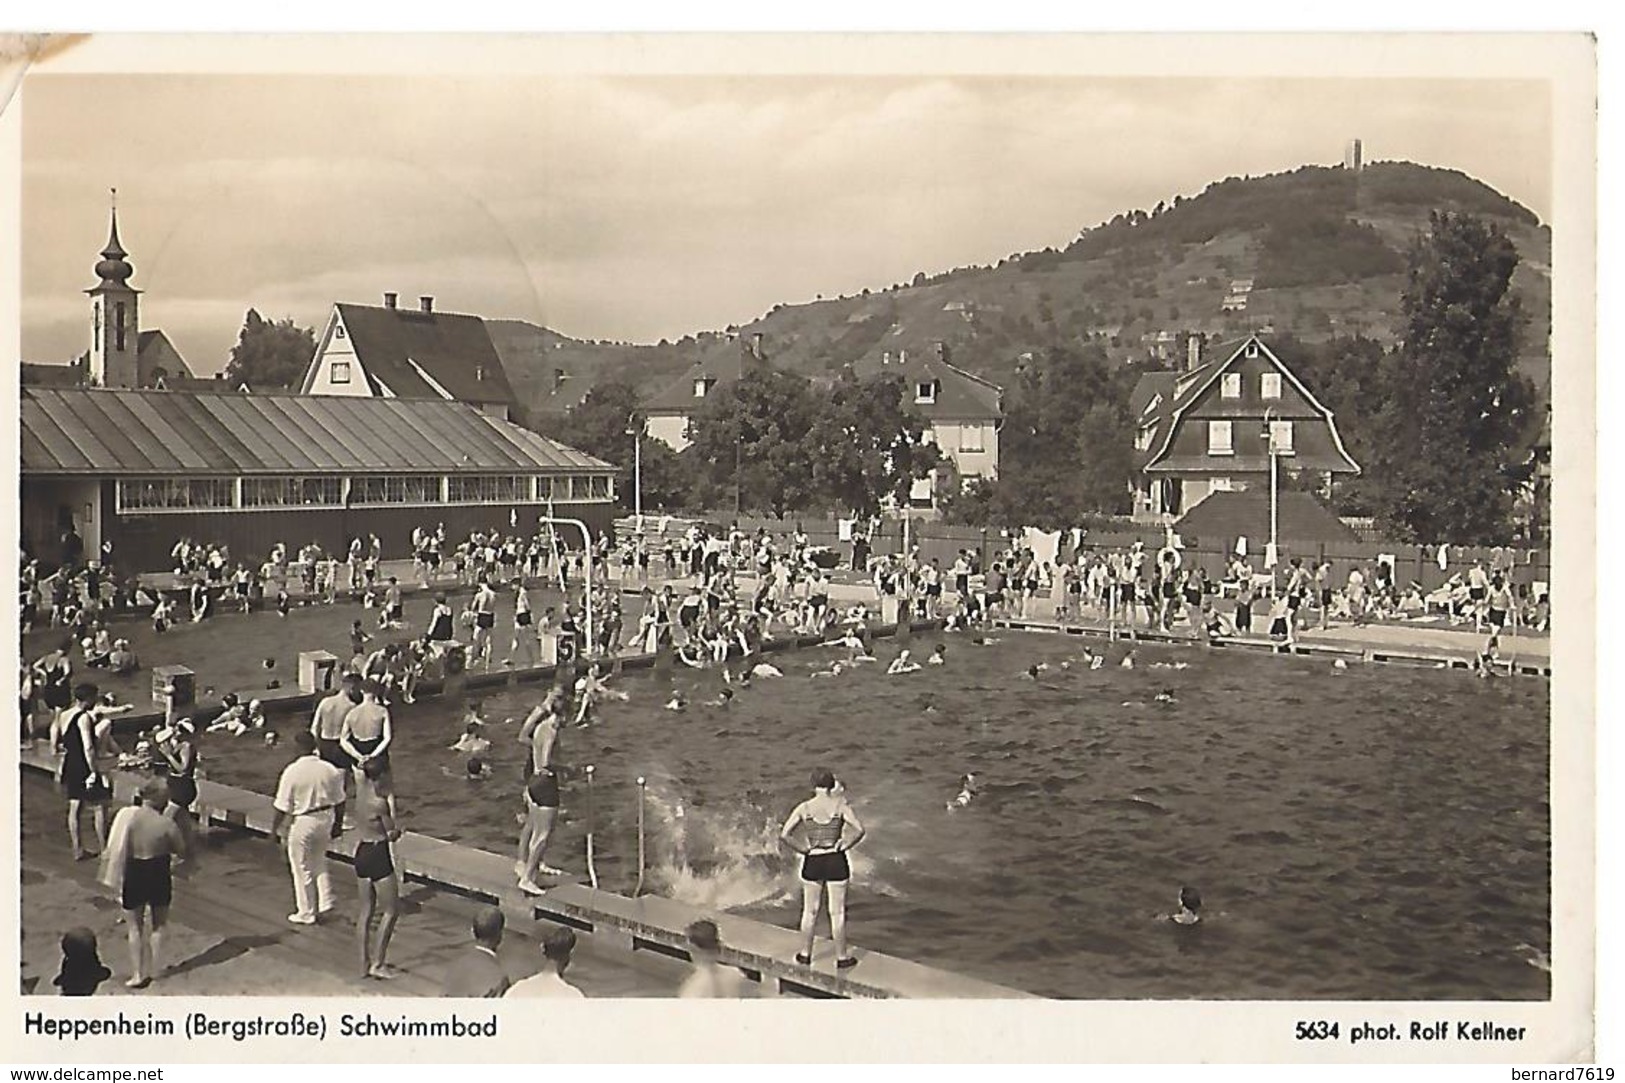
(1312, 253)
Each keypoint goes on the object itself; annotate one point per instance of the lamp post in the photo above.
(1269, 441)
(634, 429)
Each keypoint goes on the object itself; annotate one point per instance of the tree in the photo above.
(1455, 437)
(602, 425)
(270, 355)
(866, 446)
(1066, 447)
(752, 437)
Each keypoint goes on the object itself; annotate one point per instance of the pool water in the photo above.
(1369, 832)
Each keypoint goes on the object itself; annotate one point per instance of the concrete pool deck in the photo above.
(615, 925)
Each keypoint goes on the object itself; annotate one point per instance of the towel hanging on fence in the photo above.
(1241, 546)
(843, 529)
(1444, 558)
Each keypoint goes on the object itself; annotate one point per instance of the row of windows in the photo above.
(1269, 385)
(1221, 437)
(148, 494)
(185, 494)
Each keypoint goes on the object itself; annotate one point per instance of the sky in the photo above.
(641, 207)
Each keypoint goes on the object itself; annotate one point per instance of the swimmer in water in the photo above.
(967, 793)
(833, 671)
(766, 669)
(1166, 696)
(1190, 906)
(477, 770)
(676, 702)
(724, 698)
(1031, 672)
(902, 664)
(1128, 660)
(939, 656)
(471, 741)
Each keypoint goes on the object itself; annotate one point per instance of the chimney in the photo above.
(943, 353)
(1193, 353)
(426, 304)
(389, 300)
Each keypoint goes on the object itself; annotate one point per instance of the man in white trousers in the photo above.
(309, 804)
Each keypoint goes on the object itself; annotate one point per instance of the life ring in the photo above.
(1164, 555)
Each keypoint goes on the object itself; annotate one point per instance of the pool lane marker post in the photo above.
(638, 890)
(592, 869)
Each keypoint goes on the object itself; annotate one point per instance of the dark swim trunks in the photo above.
(486, 621)
(825, 868)
(328, 749)
(147, 882)
(373, 860)
(543, 789)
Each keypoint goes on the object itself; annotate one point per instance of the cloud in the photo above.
(642, 207)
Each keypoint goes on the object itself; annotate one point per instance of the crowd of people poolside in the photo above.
(742, 593)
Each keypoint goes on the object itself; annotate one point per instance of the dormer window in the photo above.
(1230, 385)
(925, 391)
(701, 386)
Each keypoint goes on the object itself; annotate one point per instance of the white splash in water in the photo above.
(725, 858)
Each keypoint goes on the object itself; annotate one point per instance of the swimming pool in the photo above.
(1369, 832)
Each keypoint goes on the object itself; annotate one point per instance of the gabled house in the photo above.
(668, 412)
(963, 413)
(1211, 428)
(389, 352)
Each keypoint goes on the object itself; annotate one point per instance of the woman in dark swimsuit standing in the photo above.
(824, 818)
(377, 879)
(81, 781)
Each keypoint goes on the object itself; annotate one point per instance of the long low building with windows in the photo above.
(138, 470)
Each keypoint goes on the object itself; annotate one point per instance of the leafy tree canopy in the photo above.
(270, 355)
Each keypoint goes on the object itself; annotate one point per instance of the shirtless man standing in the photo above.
(540, 734)
(366, 734)
(484, 608)
(152, 841)
(328, 727)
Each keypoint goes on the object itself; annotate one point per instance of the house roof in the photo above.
(1188, 387)
(109, 432)
(43, 374)
(1226, 516)
(678, 396)
(960, 395)
(411, 352)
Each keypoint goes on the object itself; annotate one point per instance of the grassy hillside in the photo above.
(1314, 252)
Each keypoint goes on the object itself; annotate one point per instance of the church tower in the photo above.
(115, 324)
